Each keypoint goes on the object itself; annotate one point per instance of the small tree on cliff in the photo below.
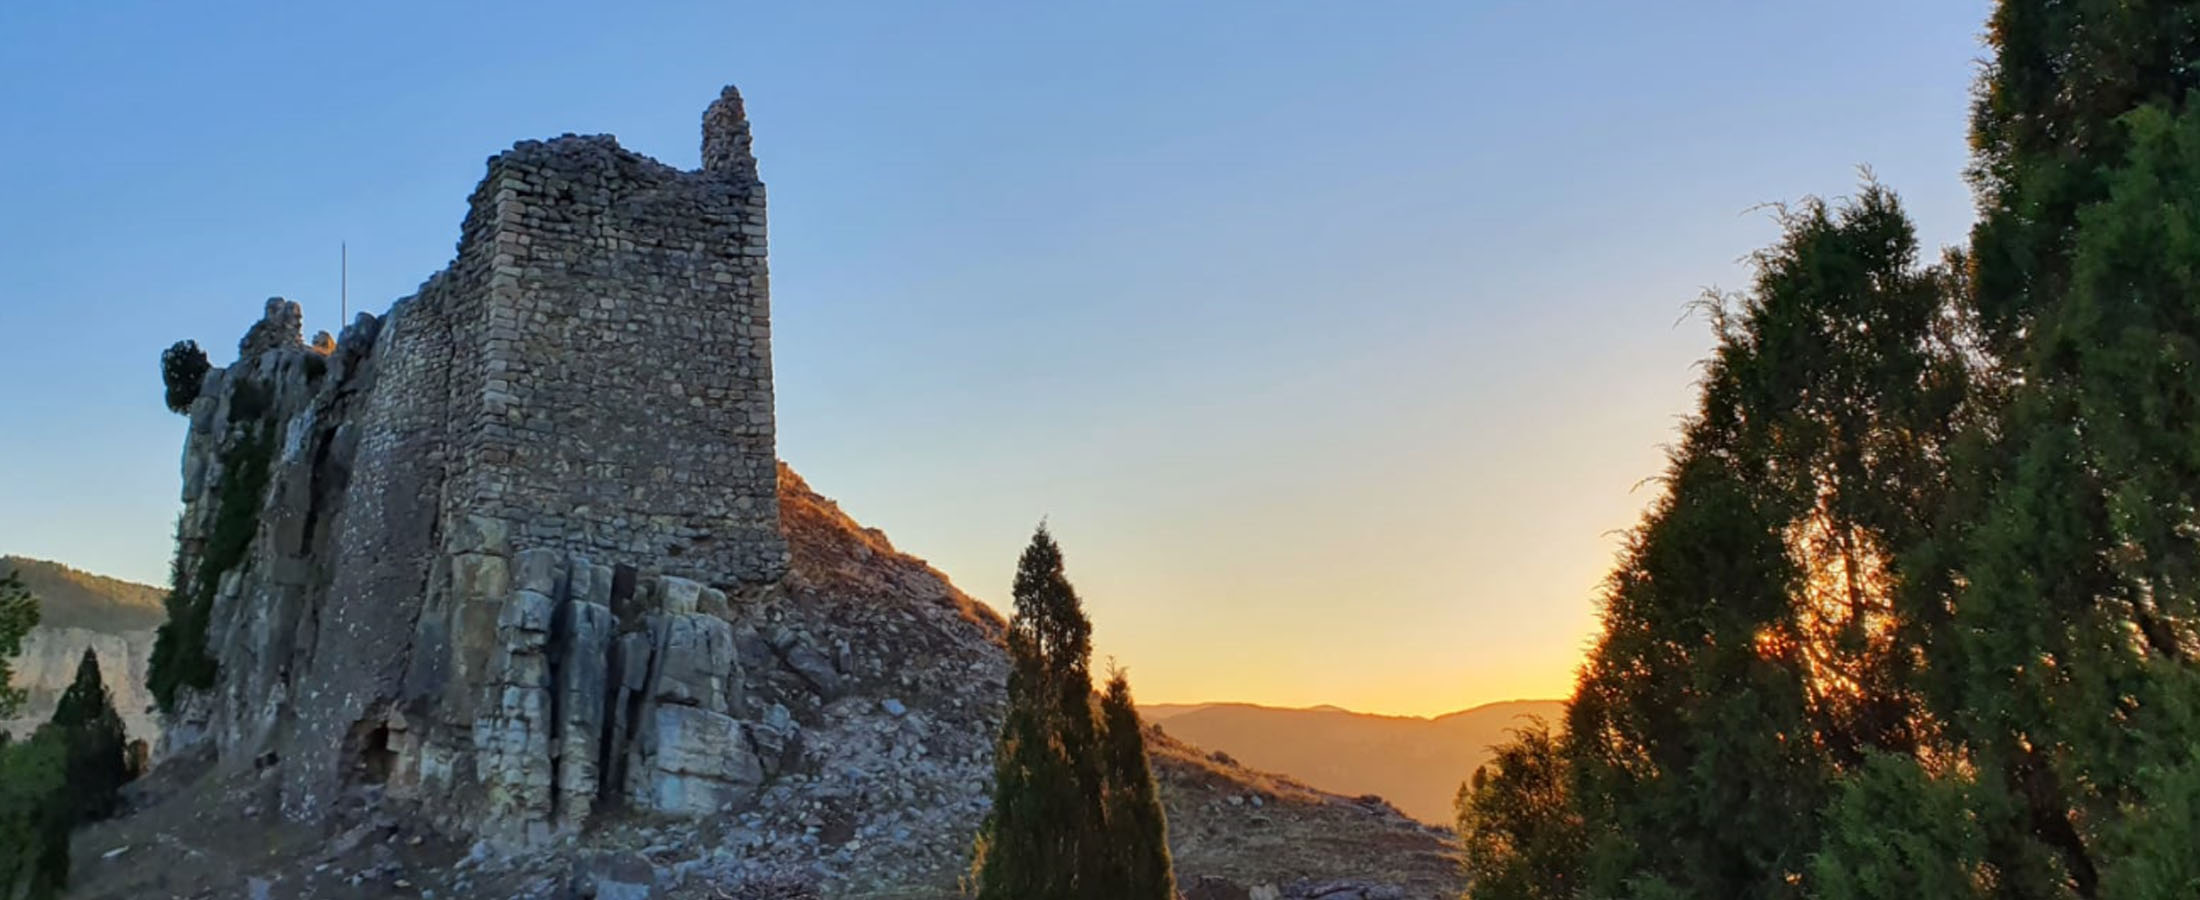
(183, 368)
(18, 615)
(1063, 802)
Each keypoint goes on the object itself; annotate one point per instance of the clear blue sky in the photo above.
(1333, 338)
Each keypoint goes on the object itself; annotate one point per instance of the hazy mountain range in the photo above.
(1416, 763)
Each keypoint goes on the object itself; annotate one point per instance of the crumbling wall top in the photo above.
(726, 141)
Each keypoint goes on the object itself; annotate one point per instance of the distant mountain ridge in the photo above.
(1415, 762)
(77, 609)
(73, 598)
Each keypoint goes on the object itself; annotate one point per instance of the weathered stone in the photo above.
(281, 326)
(693, 762)
(695, 664)
(1209, 887)
(540, 570)
(713, 603)
(678, 595)
(805, 661)
(582, 680)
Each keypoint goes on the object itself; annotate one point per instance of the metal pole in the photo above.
(343, 283)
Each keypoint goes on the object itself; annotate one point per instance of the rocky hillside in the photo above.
(1416, 763)
(78, 609)
(889, 688)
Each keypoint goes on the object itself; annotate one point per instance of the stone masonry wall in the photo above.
(626, 404)
(492, 513)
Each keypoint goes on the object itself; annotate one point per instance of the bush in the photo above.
(183, 369)
(179, 649)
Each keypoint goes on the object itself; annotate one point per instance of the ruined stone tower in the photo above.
(504, 526)
(612, 370)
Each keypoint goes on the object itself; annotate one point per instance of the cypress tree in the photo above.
(98, 760)
(1056, 770)
(1137, 829)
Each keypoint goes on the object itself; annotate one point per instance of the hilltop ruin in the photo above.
(505, 592)
(504, 523)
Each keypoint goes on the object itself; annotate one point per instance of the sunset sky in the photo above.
(1335, 341)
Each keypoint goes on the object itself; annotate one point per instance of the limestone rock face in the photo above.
(47, 664)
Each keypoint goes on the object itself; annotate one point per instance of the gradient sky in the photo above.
(1332, 339)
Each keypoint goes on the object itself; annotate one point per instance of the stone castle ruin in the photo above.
(494, 539)
(504, 592)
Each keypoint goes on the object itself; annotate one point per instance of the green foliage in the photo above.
(183, 369)
(1522, 834)
(1896, 832)
(1750, 653)
(18, 615)
(1075, 814)
(34, 827)
(69, 773)
(1919, 614)
(2046, 128)
(180, 658)
(1137, 829)
(98, 759)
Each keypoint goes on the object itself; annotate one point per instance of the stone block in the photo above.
(695, 762)
(583, 677)
(695, 662)
(540, 570)
(677, 595)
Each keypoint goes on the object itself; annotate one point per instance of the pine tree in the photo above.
(1049, 834)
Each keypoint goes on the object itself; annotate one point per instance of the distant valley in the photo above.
(1415, 763)
(78, 609)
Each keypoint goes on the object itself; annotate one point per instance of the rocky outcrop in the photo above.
(875, 788)
(463, 551)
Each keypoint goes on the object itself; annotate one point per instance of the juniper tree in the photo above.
(2065, 672)
(1056, 767)
(1522, 835)
(98, 752)
(1137, 828)
(183, 369)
